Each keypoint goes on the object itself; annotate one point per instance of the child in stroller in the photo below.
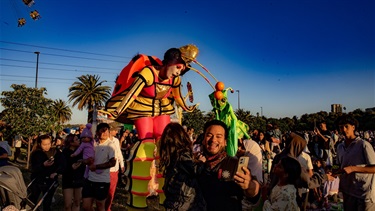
(13, 191)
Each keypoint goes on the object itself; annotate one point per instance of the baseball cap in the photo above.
(114, 126)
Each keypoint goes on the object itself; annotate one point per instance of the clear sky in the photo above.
(286, 57)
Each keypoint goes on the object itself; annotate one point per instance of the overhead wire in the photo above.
(57, 69)
(75, 57)
(77, 68)
(58, 64)
(60, 49)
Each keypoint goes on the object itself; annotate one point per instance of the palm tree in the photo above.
(243, 115)
(87, 92)
(61, 110)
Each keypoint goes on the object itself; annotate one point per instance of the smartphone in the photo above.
(242, 162)
(51, 159)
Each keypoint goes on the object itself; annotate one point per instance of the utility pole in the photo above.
(37, 66)
(239, 106)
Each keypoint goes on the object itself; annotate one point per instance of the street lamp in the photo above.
(261, 111)
(238, 91)
(37, 64)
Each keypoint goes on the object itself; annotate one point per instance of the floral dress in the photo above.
(282, 198)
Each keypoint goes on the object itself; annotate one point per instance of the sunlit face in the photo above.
(323, 126)
(103, 134)
(214, 139)
(174, 70)
(261, 136)
(113, 132)
(348, 131)
(45, 144)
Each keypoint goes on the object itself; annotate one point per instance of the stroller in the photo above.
(13, 191)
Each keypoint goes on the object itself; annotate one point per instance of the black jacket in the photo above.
(181, 186)
(41, 172)
(220, 194)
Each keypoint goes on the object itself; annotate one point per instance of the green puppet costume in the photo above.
(224, 112)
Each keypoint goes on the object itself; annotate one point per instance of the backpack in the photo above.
(126, 77)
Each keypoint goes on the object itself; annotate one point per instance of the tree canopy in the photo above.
(306, 122)
(28, 112)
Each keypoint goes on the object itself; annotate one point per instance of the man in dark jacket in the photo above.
(222, 188)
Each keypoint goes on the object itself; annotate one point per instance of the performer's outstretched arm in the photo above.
(176, 92)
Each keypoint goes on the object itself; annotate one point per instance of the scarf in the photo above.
(213, 160)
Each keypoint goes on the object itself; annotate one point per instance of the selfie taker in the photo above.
(224, 188)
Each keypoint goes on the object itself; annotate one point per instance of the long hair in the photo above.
(174, 142)
(69, 139)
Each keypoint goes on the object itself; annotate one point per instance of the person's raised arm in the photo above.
(247, 182)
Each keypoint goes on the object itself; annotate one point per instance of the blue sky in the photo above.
(286, 57)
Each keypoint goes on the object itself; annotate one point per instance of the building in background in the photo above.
(336, 108)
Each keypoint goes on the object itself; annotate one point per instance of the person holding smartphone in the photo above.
(46, 164)
(224, 194)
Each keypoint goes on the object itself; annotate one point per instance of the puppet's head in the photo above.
(189, 53)
(220, 104)
(173, 56)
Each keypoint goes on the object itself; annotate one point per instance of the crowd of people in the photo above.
(299, 170)
(336, 166)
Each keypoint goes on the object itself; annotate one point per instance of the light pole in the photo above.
(239, 106)
(261, 111)
(37, 64)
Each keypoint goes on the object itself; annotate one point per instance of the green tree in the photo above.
(194, 119)
(62, 112)
(243, 115)
(27, 111)
(87, 92)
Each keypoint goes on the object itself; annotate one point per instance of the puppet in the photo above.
(224, 112)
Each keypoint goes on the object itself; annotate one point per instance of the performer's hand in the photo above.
(192, 108)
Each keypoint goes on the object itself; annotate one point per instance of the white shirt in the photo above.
(103, 153)
(17, 141)
(254, 152)
(118, 155)
(305, 160)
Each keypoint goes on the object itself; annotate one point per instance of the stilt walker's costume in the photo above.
(142, 97)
